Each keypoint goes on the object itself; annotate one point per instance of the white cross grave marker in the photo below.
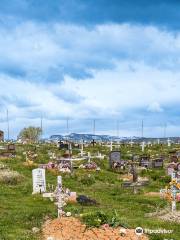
(143, 146)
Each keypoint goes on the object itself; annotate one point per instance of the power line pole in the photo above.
(142, 129)
(117, 128)
(67, 125)
(165, 126)
(41, 126)
(94, 127)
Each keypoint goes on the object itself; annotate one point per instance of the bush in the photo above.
(99, 218)
(87, 180)
(95, 219)
(10, 177)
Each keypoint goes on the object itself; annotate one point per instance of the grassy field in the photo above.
(20, 211)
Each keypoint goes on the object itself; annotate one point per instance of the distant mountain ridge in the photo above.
(88, 137)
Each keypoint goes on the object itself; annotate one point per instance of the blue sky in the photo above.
(105, 60)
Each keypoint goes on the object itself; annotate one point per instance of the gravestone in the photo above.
(178, 167)
(157, 163)
(114, 157)
(63, 145)
(174, 158)
(11, 147)
(39, 180)
(169, 142)
(144, 161)
(170, 169)
(178, 154)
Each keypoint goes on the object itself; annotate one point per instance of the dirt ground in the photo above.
(70, 228)
(171, 217)
(153, 194)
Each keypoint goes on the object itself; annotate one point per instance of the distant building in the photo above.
(1, 136)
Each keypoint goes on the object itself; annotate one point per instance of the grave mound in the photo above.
(71, 228)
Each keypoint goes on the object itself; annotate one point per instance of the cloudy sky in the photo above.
(114, 61)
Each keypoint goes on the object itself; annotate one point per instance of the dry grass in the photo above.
(9, 177)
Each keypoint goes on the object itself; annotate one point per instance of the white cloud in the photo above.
(155, 107)
(133, 69)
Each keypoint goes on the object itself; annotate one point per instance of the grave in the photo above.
(158, 163)
(115, 160)
(135, 183)
(39, 180)
(171, 168)
(64, 163)
(171, 191)
(144, 161)
(173, 158)
(9, 151)
(143, 146)
(63, 145)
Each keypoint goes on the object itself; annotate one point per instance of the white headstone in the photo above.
(59, 181)
(39, 180)
(169, 142)
(111, 146)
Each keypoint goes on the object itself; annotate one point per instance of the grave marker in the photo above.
(39, 180)
(169, 142)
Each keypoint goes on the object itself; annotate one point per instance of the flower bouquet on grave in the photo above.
(91, 166)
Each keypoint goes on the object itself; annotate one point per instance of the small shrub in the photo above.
(10, 177)
(95, 219)
(87, 180)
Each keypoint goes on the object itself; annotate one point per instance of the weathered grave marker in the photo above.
(39, 180)
(171, 191)
(169, 142)
(144, 161)
(158, 163)
(114, 157)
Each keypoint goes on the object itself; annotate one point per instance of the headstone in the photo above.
(114, 157)
(169, 142)
(144, 161)
(11, 147)
(39, 180)
(174, 158)
(63, 145)
(157, 163)
(170, 169)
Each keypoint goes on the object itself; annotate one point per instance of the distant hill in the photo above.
(88, 137)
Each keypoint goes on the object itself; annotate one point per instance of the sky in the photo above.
(117, 62)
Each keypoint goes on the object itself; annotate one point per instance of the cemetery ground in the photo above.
(22, 214)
